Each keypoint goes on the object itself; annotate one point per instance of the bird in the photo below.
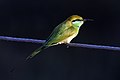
(62, 34)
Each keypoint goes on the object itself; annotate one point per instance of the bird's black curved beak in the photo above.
(88, 20)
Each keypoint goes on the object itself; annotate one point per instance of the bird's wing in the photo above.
(60, 33)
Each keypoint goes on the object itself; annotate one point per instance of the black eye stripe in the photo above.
(76, 20)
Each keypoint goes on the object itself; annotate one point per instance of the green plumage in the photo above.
(63, 33)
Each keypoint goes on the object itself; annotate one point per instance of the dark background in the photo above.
(37, 19)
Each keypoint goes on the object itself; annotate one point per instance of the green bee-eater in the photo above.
(63, 33)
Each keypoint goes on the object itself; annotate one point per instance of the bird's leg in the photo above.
(67, 45)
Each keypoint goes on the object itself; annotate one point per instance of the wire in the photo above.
(6, 38)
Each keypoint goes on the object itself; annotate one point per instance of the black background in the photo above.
(37, 19)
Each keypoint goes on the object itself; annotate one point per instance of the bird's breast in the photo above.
(68, 40)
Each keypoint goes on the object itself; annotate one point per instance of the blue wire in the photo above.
(70, 44)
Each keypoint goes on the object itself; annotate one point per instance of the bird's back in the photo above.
(61, 34)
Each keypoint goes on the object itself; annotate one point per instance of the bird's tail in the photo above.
(36, 52)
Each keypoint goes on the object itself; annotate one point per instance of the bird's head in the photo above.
(77, 21)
